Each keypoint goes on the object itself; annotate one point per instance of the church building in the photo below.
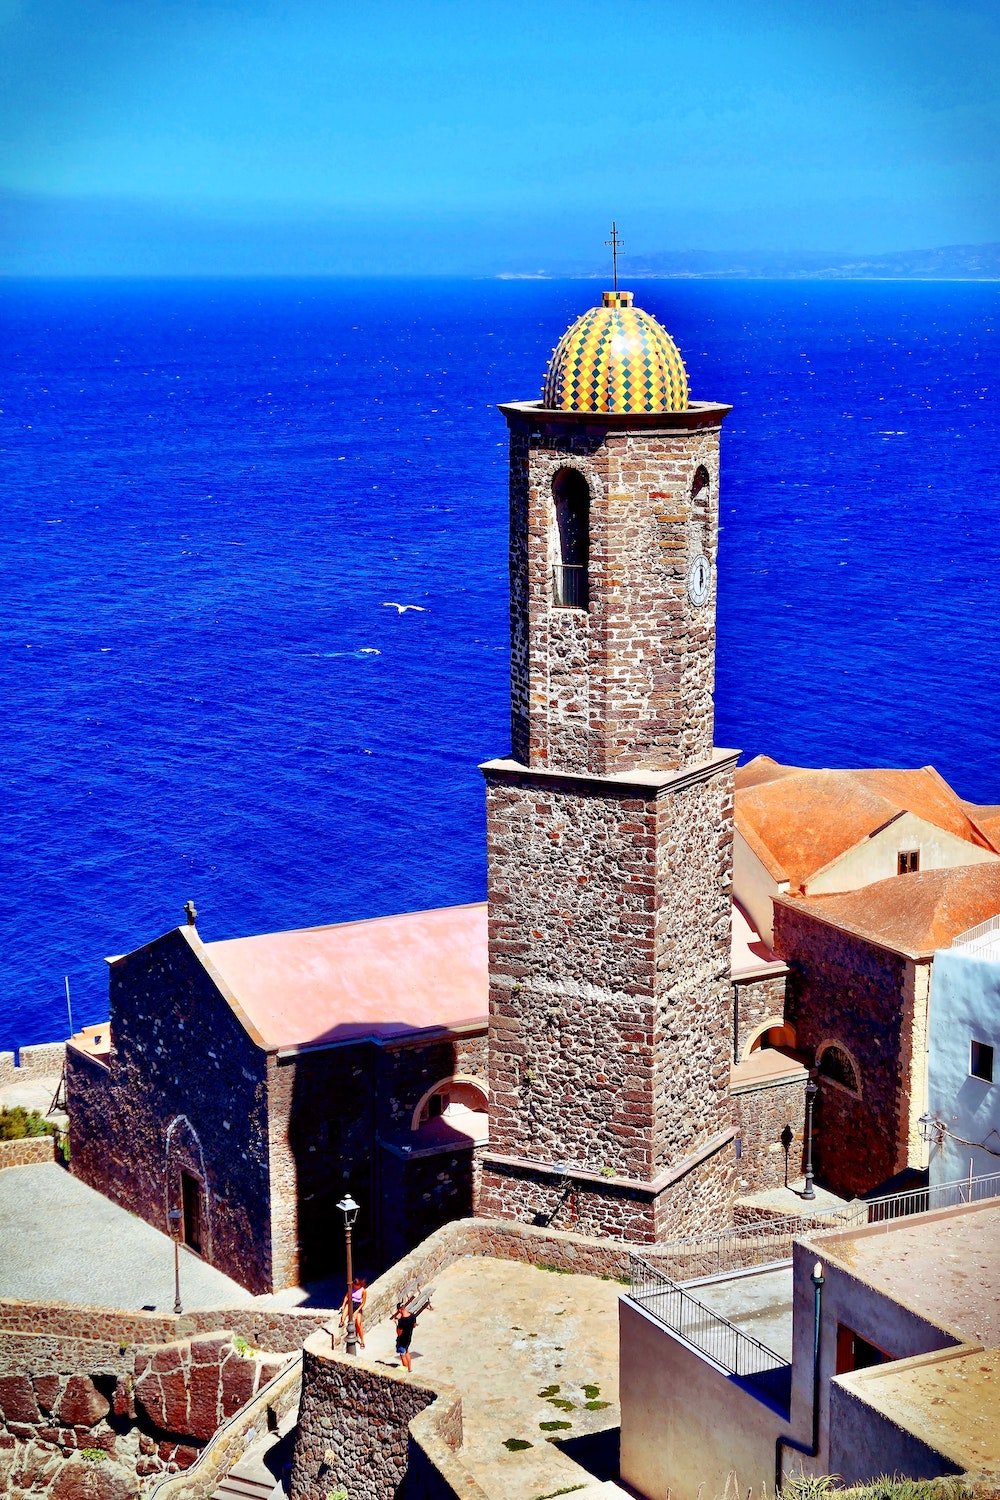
(618, 1042)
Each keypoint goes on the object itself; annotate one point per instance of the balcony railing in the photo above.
(570, 586)
(766, 1241)
(983, 939)
(738, 1352)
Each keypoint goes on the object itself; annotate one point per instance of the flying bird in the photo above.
(402, 608)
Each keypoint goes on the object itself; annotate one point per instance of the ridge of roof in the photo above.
(915, 914)
(807, 819)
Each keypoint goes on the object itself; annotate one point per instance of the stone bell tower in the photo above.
(610, 827)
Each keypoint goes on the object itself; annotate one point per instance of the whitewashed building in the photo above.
(963, 1062)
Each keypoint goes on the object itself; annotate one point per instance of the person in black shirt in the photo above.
(405, 1324)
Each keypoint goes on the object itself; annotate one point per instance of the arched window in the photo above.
(837, 1064)
(771, 1033)
(701, 509)
(453, 1099)
(570, 580)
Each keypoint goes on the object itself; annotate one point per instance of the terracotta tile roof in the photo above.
(384, 978)
(986, 817)
(912, 914)
(799, 820)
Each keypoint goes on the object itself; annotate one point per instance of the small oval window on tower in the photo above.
(570, 581)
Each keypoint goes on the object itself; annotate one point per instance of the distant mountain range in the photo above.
(947, 262)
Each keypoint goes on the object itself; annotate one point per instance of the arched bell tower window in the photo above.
(570, 580)
(701, 495)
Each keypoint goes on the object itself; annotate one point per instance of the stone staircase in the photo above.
(253, 1477)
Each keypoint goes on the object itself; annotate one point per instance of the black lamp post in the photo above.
(349, 1209)
(812, 1089)
(174, 1220)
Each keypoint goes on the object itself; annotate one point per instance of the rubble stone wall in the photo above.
(755, 1001)
(610, 1030)
(149, 1407)
(693, 926)
(332, 1114)
(762, 1114)
(185, 1090)
(28, 1152)
(850, 992)
(42, 1060)
(353, 1430)
(699, 1198)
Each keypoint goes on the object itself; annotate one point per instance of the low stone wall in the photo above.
(27, 1152)
(347, 1407)
(353, 1430)
(45, 1060)
(272, 1330)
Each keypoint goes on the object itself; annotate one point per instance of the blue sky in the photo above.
(466, 135)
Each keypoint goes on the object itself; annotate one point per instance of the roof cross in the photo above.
(616, 245)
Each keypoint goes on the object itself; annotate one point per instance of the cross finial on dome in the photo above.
(616, 245)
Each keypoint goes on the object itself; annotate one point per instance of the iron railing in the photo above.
(984, 938)
(570, 586)
(738, 1352)
(745, 1246)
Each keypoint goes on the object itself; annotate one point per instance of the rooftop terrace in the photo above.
(535, 1356)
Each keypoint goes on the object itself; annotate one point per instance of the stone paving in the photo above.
(60, 1241)
(35, 1092)
(504, 1333)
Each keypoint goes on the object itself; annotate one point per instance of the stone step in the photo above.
(232, 1487)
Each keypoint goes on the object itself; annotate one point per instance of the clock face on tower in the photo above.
(699, 579)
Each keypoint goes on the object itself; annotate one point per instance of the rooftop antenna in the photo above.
(616, 245)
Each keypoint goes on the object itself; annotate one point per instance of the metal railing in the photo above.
(745, 1246)
(925, 1200)
(738, 1352)
(983, 938)
(570, 585)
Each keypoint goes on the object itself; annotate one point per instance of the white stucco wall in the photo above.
(876, 858)
(686, 1425)
(964, 1006)
(754, 888)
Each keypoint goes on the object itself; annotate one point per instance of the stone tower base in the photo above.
(696, 1193)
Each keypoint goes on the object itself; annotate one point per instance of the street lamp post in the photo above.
(349, 1209)
(812, 1089)
(174, 1220)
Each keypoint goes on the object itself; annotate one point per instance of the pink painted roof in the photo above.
(385, 978)
(749, 950)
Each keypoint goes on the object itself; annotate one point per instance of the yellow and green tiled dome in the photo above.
(616, 358)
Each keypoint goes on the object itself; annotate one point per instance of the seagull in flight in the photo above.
(402, 608)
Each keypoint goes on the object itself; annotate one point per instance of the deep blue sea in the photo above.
(210, 489)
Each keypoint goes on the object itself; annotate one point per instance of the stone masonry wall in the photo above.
(693, 1027)
(699, 1198)
(602, 689)
(609, 961)
(571, 892)
(850, 992)
(762, 1115)
(41, 1060)
(27, 1152)
(754, 1002)
(185, 1089)
(353, 1430)
(149, 1408)
(330, 1110)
